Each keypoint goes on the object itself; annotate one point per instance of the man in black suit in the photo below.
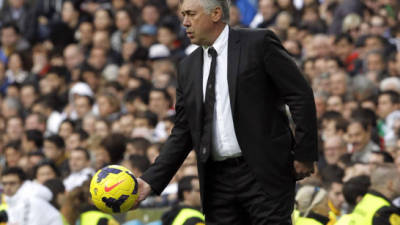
(230, 108)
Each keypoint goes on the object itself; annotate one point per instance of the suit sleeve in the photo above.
(296, 93)
(175, 149)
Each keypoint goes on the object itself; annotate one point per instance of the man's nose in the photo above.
(186, 22)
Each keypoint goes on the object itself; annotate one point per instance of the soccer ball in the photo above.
(114, 189)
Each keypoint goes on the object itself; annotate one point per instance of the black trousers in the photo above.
(233, 196)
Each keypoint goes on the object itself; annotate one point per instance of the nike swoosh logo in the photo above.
(108, 189)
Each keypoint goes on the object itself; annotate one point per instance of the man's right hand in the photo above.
(144, 191)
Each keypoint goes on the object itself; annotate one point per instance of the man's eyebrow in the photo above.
(187, 11)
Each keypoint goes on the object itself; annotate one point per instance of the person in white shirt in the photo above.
(27, 201)
(79, 164)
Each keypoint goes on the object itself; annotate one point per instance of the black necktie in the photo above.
(208, 109)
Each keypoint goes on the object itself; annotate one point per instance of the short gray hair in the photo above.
(209, 5)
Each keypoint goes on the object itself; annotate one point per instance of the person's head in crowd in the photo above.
(137, 164)
(338, 82)
(11, 179)
(73, 56)
(102, 128)
(82, 105)
(147, 35)
(66, 128)
(189, 191)
(32, 141)
(234, 16)
(70, 14)
(145, 71)
(114, 88)
(388, 102)
(44, 171)
(283, 20)
(351, 25)
(57, 188)
(378, 25)
(311, 200)
(392, 70)
(267, 8)
(159, 102)
(153, 151)
(294, 48)
(101, 39)
(374, 42)
(78, 139)
(124, 72)
(29, 94)
(10, 35)
(11, 107)
(57, 78)
(380, 157)
(332, 176)
(90, 76)
(320, 103)
(86, 31)
(12, 153)
(137, 146)
(76, 201)
(34, 158)
(358, 134)
(375, 61)
(118, 4)
(355, 189)
(79, 159)
(13, 91)
(54, 149)
(89, 124)
(364, 88)
(385, 179)
(145, 120)
(14, 128)
(35, 121)
(103, 20)
(334, 148)
(16, 64)
(166, 35)
(127, 124)
(123, 21)
(169, 122)
(97, 58)
(344, 46)
(115, 145)
(150, 14)
(333, 124)
(108, 104)
(335, 103)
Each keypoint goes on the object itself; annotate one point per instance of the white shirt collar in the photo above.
(221, 41)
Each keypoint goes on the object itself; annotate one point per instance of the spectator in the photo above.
(44, 171)
(54, 150)
(79, 164)
(32, 141)
(24, 204)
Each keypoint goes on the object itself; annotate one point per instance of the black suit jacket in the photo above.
(262, 78)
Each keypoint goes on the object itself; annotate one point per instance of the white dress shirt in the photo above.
(225, 144)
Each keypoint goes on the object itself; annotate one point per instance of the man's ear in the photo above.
(216, 14)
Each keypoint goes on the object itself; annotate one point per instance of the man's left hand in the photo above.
(303, 169)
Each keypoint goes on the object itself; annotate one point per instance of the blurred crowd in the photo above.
(88, 83)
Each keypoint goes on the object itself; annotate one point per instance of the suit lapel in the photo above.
(233, 65)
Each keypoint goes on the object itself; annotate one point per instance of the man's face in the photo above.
(15, 128)
(51, 151)
(357, 136)
(78, 161)
(343, 49)
(385, 106)
(335, 195)
(8, 37)
(375, 63)
(333, 149)
(82, 106)
(338, 84)
(28, 96)
(11, 184)
(157, 103)
(197, 21)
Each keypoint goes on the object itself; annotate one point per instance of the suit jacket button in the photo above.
(204, 150)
